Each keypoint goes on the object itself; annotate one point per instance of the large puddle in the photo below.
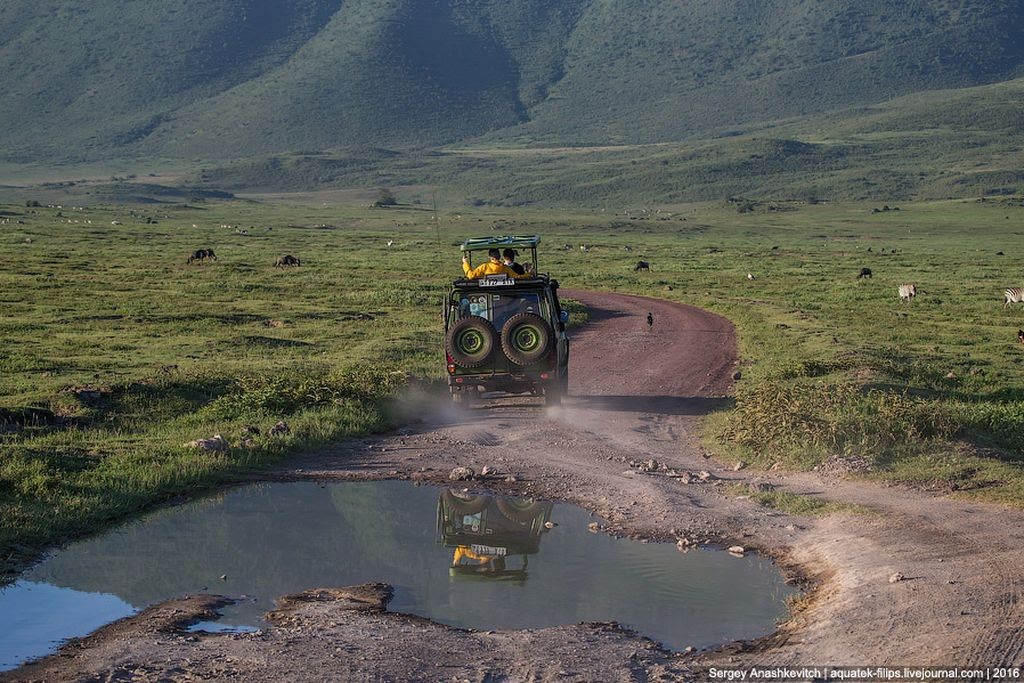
(471, 561)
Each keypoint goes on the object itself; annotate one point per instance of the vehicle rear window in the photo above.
(498, 308)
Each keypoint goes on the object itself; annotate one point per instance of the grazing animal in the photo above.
(999, 253)
(584, 247)
(907, 292)
(650, 320)
(1014, 295)
(202, 255)
(750, 276)
(642, 265)
(1020, 336)
(287, 260)
(390, 242)
(864, 272)
(566, 247)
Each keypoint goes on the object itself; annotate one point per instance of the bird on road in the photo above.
(650, 320)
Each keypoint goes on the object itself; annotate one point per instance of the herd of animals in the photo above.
(907, 291)
(207, 255)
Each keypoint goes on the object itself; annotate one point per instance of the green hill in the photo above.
(193, 80)
(930, 145)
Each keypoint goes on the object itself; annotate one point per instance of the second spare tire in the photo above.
(526, 338)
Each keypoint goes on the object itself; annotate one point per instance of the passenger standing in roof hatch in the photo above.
(493, 267)
(509, 258)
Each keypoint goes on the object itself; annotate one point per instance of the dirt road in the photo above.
(637, 392)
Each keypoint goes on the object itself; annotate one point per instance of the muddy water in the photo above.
(469, 561)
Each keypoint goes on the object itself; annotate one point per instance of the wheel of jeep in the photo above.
(470, 341)
(521, 511)
(526, 338)
(464, 503)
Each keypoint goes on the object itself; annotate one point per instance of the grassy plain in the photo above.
(930, 392)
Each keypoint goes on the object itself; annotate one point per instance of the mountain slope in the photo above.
(196, 80)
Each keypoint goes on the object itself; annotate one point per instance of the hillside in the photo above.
(192, 80)
(930, 145)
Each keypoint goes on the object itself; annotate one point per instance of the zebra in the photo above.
(1014, 295)
(907, 292)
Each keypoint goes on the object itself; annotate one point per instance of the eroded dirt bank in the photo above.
(637, 394)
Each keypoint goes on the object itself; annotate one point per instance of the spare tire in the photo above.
(470, 341)
(464, 503)
(522, 511)
(526, 338)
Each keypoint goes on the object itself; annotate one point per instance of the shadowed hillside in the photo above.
(197, 80)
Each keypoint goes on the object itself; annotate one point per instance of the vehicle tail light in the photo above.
(451, 368)
(458, 380)
(544, 375)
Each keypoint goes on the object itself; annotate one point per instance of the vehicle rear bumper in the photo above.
(512, 383)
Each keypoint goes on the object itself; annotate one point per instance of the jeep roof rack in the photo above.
(502, 242)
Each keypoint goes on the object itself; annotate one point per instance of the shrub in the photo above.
(811, 422)
(286, 393)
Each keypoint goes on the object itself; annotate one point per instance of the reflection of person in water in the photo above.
(485, 563)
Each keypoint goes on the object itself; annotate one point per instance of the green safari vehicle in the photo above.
(503, 334)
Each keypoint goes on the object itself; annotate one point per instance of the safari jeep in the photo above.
(504, 334)
(487, 532)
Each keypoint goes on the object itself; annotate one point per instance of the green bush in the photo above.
(284, 393)
(812, 422)
(1001, 424)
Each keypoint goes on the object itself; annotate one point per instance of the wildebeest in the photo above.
(864, 272)
(1014, 295)
(287, 260)
(566, 247)
(202, 255)
(642, 265)
(907, 292)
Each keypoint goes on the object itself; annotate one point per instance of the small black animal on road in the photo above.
(650, 320)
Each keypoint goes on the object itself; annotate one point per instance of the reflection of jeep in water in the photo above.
(487, 532)
(504, 334)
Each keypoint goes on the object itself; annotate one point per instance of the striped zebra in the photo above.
(1014, 295)
(907, 292)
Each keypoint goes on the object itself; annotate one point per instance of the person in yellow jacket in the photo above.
(494, 266)
(483, 563)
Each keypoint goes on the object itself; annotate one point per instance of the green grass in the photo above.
(831, 365)
(795, 503)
